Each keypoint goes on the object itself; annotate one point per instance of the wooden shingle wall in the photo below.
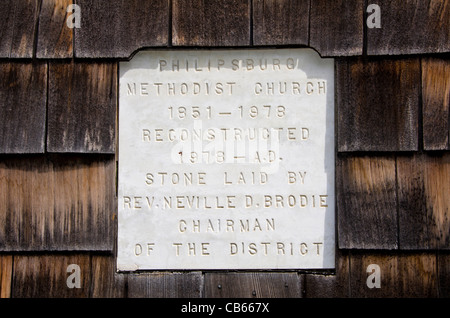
(58, 102)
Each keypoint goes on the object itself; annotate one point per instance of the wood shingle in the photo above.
(57, 203)
(332, 36)
(399, 275)
(252, 285)
(424, 212)
(410, 27)
(211, 23)
(18, 23)
(378, 104)
(82, 102)
(55, 38)
(23, 98)
(436, 103)
(281, 22)
(45, 276)
(118, 28)
(366, 202)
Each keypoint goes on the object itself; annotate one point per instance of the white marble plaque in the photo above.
(226, 160)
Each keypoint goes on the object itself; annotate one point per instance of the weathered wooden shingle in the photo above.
(58, 203)
(6, 262)
(211, 23)
(336, 27)
(82, 102)
(424, 205)
(436, 103)
(23, 95)
(18, 22)
(378, 104)
(366, 202)
(6, 31)
(410, 27)
(105, 281)
(165, 285)
(281, 22)
(117, 28)
(54, 38)
(330, 285)
(443, 259)
(252, 285)
(406, 275)
(46, 276)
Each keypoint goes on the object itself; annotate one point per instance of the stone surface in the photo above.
(226, 160)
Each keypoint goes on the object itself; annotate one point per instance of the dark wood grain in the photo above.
(334, 285)
(411, 27)
(389, 275)
(366, 202)
(165, 285)
(280, 22)
(105, 281)
(436, 103)
(424, 208)
(336, 27)
(18, 23)
(6, 262)
(378, 104)
(23, 95)
(118, 28)
(211, 23)
(406, 275)
(57, 204)
(6, 31)
(252, 285)
(45, 276)
(54, 38)
(82, 107)
(443, 258)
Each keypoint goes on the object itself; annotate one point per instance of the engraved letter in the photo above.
(303, 248)
(131, 88)
(177, 246)
(249, 64)
(126, 202)
(182, 226)
(162, 63)
(290, 63)
(258, 88)
(309, 88)
(205, 248)
(138, 249)
(149, 178)
(145, 135)
(220, 63)
(248, 201)
(144, 87)
(305, 133)
(150, 248)
(233, 249)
